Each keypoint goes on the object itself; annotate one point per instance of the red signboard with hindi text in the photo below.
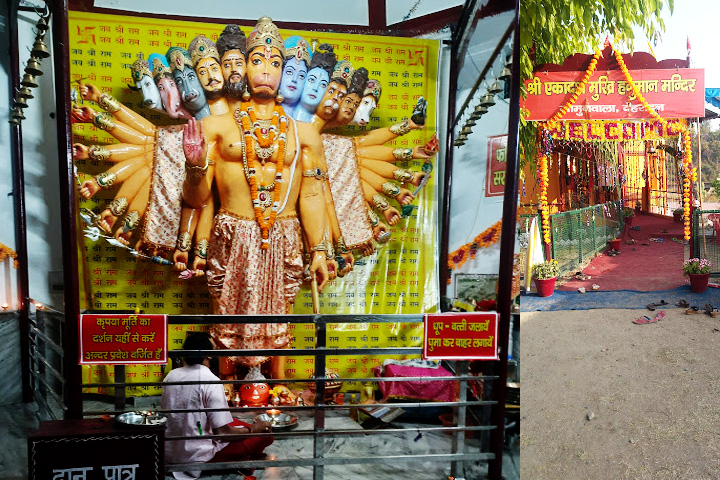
(496, 164)
(123, 339)
(461, 336)
(672, 93)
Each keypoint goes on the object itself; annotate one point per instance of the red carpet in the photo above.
(646, 265)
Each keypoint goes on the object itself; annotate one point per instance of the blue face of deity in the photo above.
(315, 86)
(293, 80)
(190, 89)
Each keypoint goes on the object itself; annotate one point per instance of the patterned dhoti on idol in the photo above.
(245, 279)
(350, 206)
(162, 217)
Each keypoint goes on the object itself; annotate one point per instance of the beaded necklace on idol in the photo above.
(259, 145)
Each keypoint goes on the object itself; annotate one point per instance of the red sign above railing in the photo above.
(123, 339)
(673, 93)
(461, 336)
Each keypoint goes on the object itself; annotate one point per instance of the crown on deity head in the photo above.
(178, 58)
(139, 68)
(372, 87)
(342, 72)
(202, 47)
(158, 65)
(296, 46)
(265, 34)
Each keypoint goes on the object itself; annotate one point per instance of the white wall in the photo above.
(8, 289)
(40, 152)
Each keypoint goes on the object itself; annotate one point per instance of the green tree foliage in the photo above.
(550, 30)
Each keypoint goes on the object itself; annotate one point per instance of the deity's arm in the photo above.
(390, 189)
(312, 208)
(320, 172)
(124, 196)
(390, 171)
(111, 153)
(378, 201)
(107, 122)
(110, 104)
(202, 236)
(188, 223)
(116, 174)
(389, 154)
(135, 212)
(381, 136)
(200, 156)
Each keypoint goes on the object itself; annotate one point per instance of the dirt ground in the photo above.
(603, 398)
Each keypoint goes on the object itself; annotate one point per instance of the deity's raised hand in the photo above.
(89, 92)
(194, 143)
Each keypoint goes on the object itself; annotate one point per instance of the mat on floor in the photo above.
(564, 300)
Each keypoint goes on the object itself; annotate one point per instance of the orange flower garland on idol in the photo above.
(689, 173)
(258, 146)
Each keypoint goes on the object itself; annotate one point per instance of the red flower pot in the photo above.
(677, 217)
(698, 282)
(614, 244)
(629, 220)
(545, 286)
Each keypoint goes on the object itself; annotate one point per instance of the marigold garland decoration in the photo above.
(6, 252)
(546, 145)
(543, 179)
(486, 239)
(689, 173)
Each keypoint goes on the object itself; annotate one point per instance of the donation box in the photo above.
(95, 449)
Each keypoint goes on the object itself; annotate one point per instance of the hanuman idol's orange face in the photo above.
(264, 71)
(255, 394)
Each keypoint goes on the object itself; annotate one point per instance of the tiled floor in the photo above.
(18, 420)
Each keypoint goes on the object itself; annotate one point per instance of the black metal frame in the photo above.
(72, 393)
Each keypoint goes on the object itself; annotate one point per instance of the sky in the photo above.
(698, 20)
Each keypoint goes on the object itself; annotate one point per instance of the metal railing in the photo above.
(468, 412)
(579, 235)
(706, 236)
(46, 353)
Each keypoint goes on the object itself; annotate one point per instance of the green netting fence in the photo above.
(579, 235)
(706, 236)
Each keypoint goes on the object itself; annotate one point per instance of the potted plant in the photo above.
(677, 214)
(628, 214)
(614, 244)
(698, 271)
(545, 274)
(638, 206)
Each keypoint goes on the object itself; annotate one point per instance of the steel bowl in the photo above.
(142, 419)
(283, 421)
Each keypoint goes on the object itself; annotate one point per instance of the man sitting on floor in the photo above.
(199, 398)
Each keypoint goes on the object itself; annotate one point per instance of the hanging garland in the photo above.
(546, 145)
(486, 239)
(6, 252)
(689, 173)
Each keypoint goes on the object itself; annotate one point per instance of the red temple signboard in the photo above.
(123, 339)
(673, 93)
(496, 163)
(461, 336)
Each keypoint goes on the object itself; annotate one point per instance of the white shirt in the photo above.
(193, 396)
